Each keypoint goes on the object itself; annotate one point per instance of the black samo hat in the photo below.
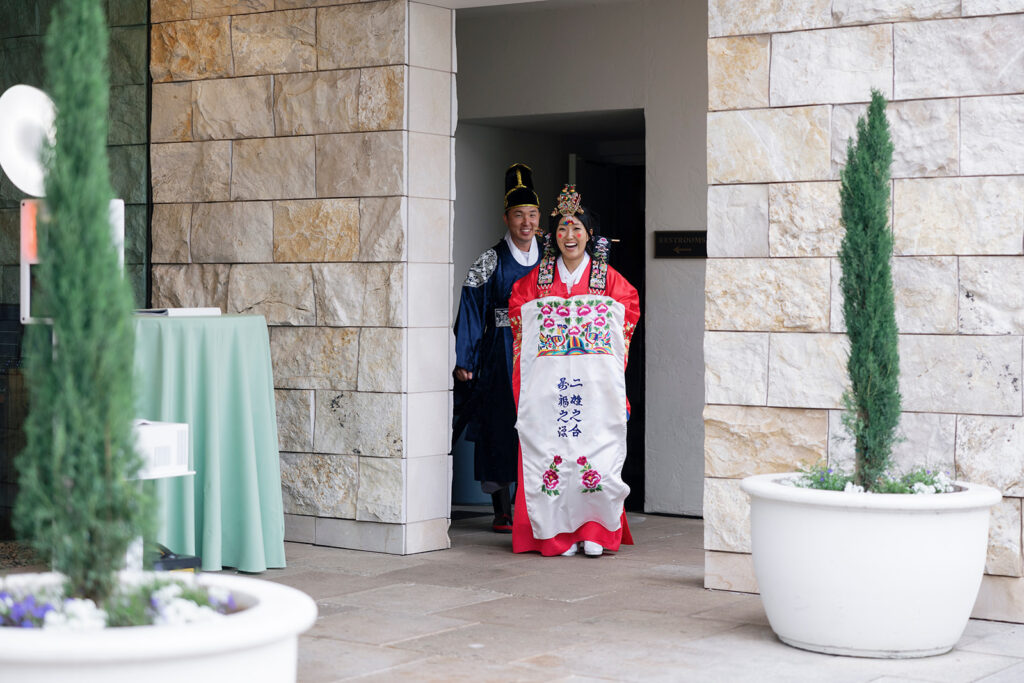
(519, 187)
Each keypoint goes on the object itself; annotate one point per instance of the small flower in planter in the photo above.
(139, 600)
(919, 481)
(23, 613)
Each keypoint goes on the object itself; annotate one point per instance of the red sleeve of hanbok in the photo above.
(626, 294)
(522, 291)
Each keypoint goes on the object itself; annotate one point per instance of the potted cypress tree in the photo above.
(78, 504)
(855, 563)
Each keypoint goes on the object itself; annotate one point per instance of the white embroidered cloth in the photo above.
(572, 412)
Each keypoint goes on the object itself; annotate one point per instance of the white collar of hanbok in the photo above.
(571, 279)
(521, 257)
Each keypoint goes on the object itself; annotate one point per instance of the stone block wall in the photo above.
(302, 164)
(787, 81)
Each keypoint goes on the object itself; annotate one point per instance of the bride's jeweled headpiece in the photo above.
(568, 205)
(568, 202)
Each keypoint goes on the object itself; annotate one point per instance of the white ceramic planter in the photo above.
(259, 643)
(868, 574)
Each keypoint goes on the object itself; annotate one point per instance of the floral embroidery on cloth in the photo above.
(482, 269)
(589, 477)
(627, 334)
(599, 267)
(516, 323)
(549, 483)
(574, 327)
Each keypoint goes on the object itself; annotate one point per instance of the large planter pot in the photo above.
(259, 643)
(868, 574)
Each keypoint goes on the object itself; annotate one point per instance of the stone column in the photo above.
(786, 85)
(302, 171)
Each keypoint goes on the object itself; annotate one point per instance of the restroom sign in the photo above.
(680, 244)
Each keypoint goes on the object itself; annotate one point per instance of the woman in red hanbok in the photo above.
(572, 319)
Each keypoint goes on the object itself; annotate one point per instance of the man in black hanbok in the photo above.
(483, 346)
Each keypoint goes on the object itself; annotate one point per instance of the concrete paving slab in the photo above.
(1011, 674)
(326, 660)
(491, 643)
(322, 584)
(444, 669)
(411, 598)
(478, 612)
(381, 627)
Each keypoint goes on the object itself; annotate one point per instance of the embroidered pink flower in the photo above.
(602, 309)
(582, 460)
(599, 321)
(591, 478)
(550, 480)
(558, 460)
(583, 310)
(573, 331)
(549, 323)
(563, 311)
(546, 309)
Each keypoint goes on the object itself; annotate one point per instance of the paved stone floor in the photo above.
(479, 613)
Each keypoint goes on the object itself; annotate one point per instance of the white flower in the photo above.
(181, 611)
(943, 484)
(76, 615)
(166, 594)
(218, 594)
(853, 488)
(921, 487)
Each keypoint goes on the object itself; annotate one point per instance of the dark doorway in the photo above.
(616, 192)
(603, 153)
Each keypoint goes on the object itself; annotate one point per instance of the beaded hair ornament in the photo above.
(568, 206)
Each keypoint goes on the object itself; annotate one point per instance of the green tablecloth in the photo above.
(214, 373)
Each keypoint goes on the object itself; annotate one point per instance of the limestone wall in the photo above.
(787, 81)
(301, 168)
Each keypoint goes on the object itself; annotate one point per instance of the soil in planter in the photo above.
(18, 556)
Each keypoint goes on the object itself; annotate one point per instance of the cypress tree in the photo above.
(77, 504)
(873, 401)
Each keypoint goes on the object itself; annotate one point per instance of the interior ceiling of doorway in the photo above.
(621, 124)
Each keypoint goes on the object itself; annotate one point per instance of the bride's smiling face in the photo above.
(571, 237)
